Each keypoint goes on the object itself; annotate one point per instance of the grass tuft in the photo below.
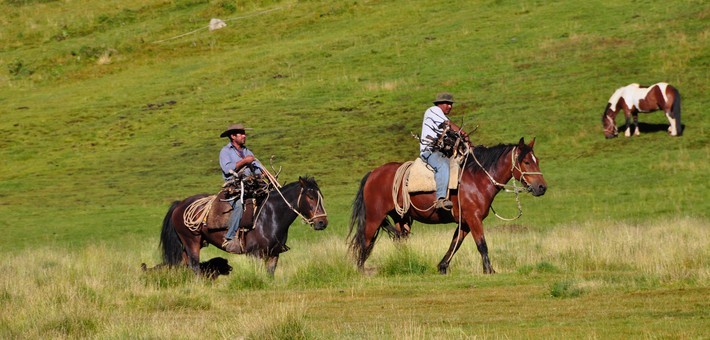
(290, 327)
(248, 275)
(323, 273)
(565, 289)
(405, 261)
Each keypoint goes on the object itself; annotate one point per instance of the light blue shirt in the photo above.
(229, 156)
(433, 117)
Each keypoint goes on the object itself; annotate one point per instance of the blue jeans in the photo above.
(440, 163)
(235, 218)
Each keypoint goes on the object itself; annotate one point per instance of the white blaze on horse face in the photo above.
(534, 158)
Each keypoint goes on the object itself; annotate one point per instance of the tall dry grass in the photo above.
(101, 292)
(667, 251)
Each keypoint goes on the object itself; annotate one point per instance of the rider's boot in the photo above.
(443, 203)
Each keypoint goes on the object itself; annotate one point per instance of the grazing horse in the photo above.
(634, 98)
(181, 244)
(484, 174)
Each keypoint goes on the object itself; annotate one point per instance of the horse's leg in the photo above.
(271, 263)
(480, 239)
(372, 228)
(459, 236)
(627, 115)
(191, 253)
(483, 250)
(636, 124)
(673, 123)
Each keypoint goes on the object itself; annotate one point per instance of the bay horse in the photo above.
(635, 98)
(181, 245)
(483, 176)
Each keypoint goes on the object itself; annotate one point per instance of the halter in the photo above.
(309, 221)
(612, 123)
(515, 189)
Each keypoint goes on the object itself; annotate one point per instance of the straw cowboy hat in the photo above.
(232, 128)
(444, 97)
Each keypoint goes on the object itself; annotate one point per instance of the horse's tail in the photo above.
(169, 241)
(676, 111)
(357, 220)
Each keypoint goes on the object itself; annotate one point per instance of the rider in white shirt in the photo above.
(433, 124)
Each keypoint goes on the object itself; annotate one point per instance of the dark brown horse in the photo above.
(633, 99)
(485, 172)
(181, 244)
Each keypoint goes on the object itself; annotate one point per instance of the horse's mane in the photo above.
(489, 156)
(308, 180)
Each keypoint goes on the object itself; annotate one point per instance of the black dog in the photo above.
(210, 269)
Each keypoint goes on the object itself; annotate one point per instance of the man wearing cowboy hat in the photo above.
(433, 124)
(236, 158)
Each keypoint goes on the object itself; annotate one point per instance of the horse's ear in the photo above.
(302, 181)
(532, 142)
(521, 142)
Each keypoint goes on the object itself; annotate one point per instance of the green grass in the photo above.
(102, 126)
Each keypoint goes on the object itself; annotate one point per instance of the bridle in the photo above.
(515, 165)
(612, 124)
(309, 221)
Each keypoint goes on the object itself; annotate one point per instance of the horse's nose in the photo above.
(541, 190)
(320, 225)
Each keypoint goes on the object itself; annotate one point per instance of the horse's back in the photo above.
(380, 182)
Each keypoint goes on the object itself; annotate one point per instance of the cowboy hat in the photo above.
(233, 127)
(444, 97)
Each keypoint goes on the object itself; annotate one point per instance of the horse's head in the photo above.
(526, 168)
(608, 122)
(310, 204)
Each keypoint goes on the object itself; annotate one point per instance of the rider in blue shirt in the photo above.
(236, 158)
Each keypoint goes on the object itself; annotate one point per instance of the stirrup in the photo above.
(443, 203)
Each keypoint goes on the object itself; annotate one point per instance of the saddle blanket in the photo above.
(421, 176)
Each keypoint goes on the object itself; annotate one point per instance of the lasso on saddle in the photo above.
(213, 211)
(417, 176)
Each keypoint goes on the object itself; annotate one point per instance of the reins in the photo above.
(507, 188)
(309, 221)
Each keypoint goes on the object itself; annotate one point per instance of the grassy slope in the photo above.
(333, 90)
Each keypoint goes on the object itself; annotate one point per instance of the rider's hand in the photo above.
(249, 159)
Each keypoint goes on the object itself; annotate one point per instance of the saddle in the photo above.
(213, 211)
(419, 177)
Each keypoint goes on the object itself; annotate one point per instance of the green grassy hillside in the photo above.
(110, 110)
(104, 124)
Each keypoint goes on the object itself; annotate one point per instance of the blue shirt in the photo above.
(229, 156)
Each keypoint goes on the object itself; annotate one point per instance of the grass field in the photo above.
(110, 110)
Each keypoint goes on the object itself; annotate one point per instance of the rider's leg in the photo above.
(235, 218)
(441, 175)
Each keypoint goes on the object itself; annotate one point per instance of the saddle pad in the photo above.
(421, 176)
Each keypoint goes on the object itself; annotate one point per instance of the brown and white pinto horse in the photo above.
(485, 172)
(634, 98)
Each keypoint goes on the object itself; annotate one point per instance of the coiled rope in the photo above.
(196, 214)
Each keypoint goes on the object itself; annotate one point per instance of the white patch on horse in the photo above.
(534, 159)
(663, 87)
(672, 129)
(614, 99)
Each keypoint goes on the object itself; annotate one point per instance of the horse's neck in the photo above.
(500, 171)
(276, 211)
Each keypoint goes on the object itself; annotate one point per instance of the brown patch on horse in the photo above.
(653, 100)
